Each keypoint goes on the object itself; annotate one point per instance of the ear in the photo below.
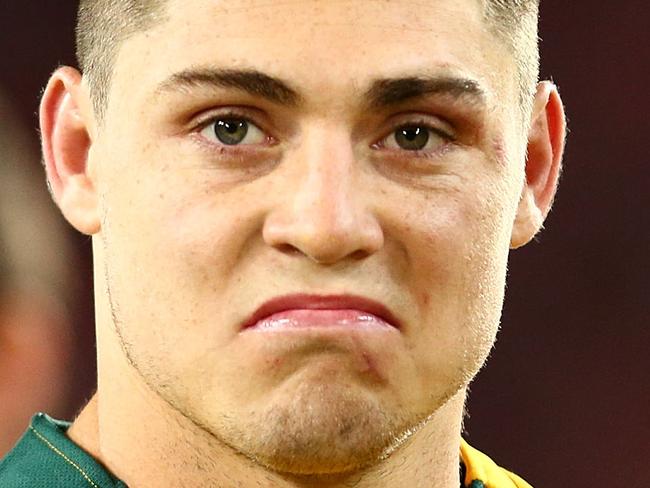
(66, 118)
(543, 164)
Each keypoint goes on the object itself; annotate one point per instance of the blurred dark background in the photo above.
(565, 397)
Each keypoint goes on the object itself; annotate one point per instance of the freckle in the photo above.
(426, 298)
(274, 363)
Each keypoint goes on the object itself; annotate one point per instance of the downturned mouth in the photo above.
(302, 310)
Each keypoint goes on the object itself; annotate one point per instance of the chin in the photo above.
(319, 430)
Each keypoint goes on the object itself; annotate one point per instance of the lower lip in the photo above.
(298, 319)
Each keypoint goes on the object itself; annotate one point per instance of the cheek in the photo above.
(169, 265)
(458, 256)
(183, 224)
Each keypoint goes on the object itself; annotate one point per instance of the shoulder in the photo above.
(483, 472)
(45, 458)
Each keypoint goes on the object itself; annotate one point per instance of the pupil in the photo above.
(412, 138)
(231, 131)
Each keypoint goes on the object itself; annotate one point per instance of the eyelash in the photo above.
(446, 136)
(270, 140)
(231, 114)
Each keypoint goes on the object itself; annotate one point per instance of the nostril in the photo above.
(288, 249)
(291, 250)
(359, 255)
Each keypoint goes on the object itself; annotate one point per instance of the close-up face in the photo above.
(362, 158)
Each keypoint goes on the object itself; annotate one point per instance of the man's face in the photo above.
(222, 190)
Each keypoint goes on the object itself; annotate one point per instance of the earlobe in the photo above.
(65, 117)
(543, 164)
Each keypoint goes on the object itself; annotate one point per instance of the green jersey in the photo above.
(46, 458)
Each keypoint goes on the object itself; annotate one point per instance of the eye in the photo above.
(415, 137)
(233, 131)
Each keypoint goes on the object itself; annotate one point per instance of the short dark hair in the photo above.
(103, 25)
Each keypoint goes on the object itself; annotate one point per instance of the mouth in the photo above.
(302, 311)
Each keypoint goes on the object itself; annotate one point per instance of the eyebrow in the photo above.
(393, 91)
(251, 81)
(384, 92)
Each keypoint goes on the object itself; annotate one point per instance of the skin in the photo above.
(191, 237)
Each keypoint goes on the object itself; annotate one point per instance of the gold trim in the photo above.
(67, 459)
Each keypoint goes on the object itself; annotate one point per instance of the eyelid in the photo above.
(239, 113)
(436, 124)
(420, 121)
(251, 115)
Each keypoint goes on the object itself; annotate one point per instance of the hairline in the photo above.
(100, 80)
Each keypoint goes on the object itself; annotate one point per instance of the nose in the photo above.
(324, 214)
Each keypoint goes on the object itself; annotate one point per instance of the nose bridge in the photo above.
(328, 166)
(323, 215)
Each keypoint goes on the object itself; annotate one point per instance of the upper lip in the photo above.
(321, 302)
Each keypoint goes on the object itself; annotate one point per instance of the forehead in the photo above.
(321, 45)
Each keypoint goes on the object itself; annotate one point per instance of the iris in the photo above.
(231, 131)
(412, 137)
